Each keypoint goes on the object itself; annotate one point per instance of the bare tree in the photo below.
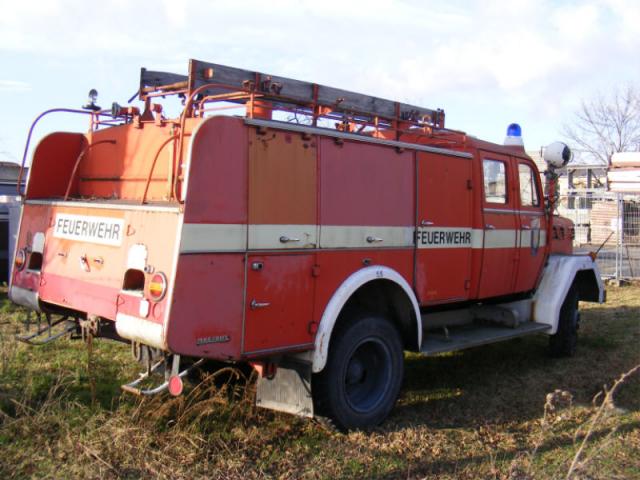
(606, 124)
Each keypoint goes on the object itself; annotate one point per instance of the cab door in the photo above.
(499, 255)
(532, 226)
(444, 234)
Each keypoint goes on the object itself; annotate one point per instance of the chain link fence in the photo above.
(608, 223)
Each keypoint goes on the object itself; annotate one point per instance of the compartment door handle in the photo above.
(255, 304)
(285, 239)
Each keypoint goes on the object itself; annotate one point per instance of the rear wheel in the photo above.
(564, 342)
(361, 380)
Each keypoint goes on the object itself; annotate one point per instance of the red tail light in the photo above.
(158, 286)
(21, 259)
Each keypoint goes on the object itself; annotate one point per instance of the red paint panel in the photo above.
(444, 201)
(562, 236)
(531, 259)
(217, 190)
(35, 218)
(499, 265)
(478, 220)
(130, 305)
(108, 264)
(365, 185)
(26, 279)
(497, 272)
(282, 178)
(282, 289)
(336, 266)
(121, 170)
(443, 275)
(207, 306)
(63, 282)
(52, 163)
(79, 295)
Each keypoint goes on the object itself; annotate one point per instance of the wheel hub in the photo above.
(367, 378)
(355, 372)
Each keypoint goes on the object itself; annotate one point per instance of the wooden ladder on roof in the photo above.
(286, 93)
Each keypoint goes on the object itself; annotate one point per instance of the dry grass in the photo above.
(505, 411)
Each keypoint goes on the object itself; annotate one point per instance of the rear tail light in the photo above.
(158, 286)
(21, 259)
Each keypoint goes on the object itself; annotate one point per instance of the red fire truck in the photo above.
(312, 232)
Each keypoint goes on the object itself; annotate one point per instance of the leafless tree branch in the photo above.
(606, 124)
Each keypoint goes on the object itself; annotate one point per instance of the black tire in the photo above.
(564, 342)
(360, 383)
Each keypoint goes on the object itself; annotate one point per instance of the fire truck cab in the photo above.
(318, 234)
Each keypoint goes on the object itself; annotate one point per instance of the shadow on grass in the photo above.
(505, 456)
(508, 382)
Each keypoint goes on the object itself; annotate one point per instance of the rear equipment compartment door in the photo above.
(279, 302)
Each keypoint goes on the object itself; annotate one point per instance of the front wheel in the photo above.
(361, 380)
(565, 340)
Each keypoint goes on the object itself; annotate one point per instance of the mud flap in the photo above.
(289, 390)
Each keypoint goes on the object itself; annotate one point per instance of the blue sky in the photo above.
(486, 63)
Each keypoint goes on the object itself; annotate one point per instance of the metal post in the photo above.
(619, 237)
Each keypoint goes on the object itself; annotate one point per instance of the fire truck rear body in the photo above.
(250, 239)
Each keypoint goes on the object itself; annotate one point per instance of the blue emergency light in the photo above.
(514, 135)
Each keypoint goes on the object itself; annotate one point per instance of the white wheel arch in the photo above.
(558, 276)
(343, 294)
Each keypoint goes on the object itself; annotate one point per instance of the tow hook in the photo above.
(89, 327)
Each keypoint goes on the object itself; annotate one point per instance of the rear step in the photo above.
(467, 336)
(53, 329)
(160, 367)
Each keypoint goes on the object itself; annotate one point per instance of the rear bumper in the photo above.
(140, 330)
(24, 297)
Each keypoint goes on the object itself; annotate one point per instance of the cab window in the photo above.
(528, 188)
(495, 181)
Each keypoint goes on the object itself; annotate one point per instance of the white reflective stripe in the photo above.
(201, 238)
(503, 211)
(218, 237)
(526, 237)
(332, 236)
(449, 237)
(531, 213)
(500, 238)
(264, 237)
(510, 211)
(528, 240)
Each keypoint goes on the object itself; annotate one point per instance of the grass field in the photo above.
(502, 411)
